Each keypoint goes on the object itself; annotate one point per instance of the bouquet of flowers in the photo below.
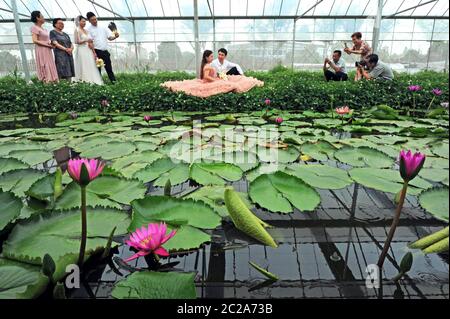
(223, 76)
(113, 27)
(100, 63)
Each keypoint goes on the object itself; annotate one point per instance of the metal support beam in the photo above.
(110, 11)
(197, 42)
(377, 27)
(20, 41)
(20, 14)
(289, 17)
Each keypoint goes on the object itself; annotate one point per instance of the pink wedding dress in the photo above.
(204, 89)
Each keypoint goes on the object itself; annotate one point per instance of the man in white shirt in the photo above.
(222, 65)
(335, 69)
(100, 36)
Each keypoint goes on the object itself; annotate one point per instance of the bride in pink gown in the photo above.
(210, 84)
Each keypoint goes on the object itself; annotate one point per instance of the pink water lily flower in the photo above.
(279, 120)
(267, 102)
(437, 92)
(149, 240)
(343, 111)
(147, 118)
(411, 164)
(444, 105)
(414, 88)
(94, 169)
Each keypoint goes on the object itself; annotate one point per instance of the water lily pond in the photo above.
(311, 200)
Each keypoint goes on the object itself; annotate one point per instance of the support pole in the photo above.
(377, 27)
(197, 43)
(136, 50)
(20, 41)
(293, 44)
(431, 45)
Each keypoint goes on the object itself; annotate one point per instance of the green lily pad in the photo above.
(387, 180)
(277, 155)
(20, 280)
(11, 164)
(321, 176)
(435, 201)
(363, 156)
(10, 208)
(215, 173)
(162, 170)
(280, 192)
(173, 211)
(58, 234)
(19, 181)
(321, 151)
(155, 285)
(214, 197)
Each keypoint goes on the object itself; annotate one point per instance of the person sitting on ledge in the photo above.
(223, 66)
(378, 69)
(335, 69)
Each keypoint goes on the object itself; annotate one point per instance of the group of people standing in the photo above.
(60, 58)
(369, 67)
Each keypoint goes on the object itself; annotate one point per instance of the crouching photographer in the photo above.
(373, 69)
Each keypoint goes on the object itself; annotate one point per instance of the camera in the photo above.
(361, 64)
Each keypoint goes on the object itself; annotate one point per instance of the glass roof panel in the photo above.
(440, 8)
(239, 8)
(255, 7)
(137, 8)
(340, 7)
(203, 9)
(391, 6)
(323, 8)
(357, 7)
(305, 5)
(408, 4)
(289, 7)
(171, 8)
(222, 7)
(272, 7)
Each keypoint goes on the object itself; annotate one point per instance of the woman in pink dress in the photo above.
(45, 63)
(209, 84)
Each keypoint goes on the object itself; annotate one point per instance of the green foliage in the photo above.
(286, 89)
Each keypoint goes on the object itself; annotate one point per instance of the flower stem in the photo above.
(83, 226)
(431, 103)
(394, 225)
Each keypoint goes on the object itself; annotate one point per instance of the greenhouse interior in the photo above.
(224, 150)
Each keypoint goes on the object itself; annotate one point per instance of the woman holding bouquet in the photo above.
(85, 58)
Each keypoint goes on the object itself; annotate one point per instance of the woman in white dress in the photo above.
(84, 55)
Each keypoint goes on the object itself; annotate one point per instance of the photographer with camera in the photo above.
(378, 69)
(361, 48)
(335, 69)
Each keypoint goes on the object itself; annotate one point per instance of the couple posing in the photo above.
(216, 77)
(92, 44)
